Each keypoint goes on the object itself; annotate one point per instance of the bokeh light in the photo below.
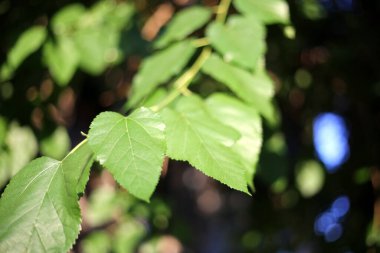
(340, 206)
(310, 178)
(331, 140)
(329, 222)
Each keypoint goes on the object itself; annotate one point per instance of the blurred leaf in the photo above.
(28, 42)
(310, 178)
(256, 89)
(155, 97)
(39, 209)
(22, 146)
(268, 11)
(362, 175)
(57, 144)
(313, 9)
(232, 112)
(121, 14)
(133, 145)
(102, 206)
(241, 41)
(6, 72)
(97, 48)
(183, 24)
(3, 130)
(97, 242)
(194, 136)
(127, 236)
(159, 68)
(62, 59)
(66, 19)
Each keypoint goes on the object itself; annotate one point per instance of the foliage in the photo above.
(220, 135)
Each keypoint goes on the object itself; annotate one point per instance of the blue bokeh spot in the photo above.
(340, 206)
(329, 222)
(333, 232)
(331, 140)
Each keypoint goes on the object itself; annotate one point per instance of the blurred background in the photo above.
(318, 179)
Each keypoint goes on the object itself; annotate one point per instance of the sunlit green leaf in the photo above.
(159, 68)
(79, 162)
(132, 148)
(28, 42)
(39, 209)
(56, 145)
(256, 89)
(269, 11)
(184, 23)
(62, 59)
(194, 136)
(241, 41)
(241, 117)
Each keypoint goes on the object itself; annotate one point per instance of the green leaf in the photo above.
(256, 89)
(159, 68)
(132, 148)
(22, 147)
(241, 117)
(183, 24)
(39, 209)
(241, 41)
(56, 145)
(62, 59)
(27, 43)
(121, 14)
(67, 18)
(193, 135)
(268, 11)
(78, 163)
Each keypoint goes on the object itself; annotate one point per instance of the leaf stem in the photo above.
(201, 42)
(183, 82)
(223, 10)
